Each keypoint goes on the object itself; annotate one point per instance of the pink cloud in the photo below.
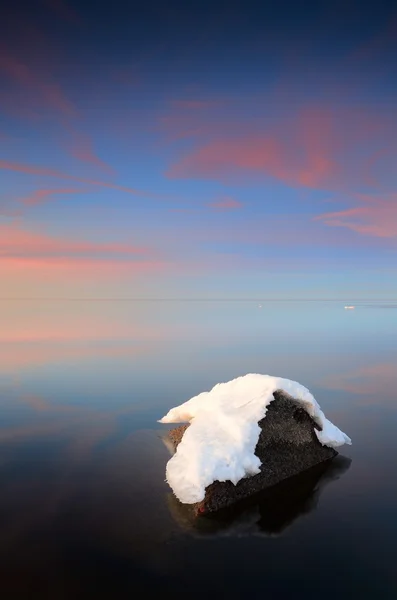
(374, 164)
(9, 209)
(302, 159)
(15, 106)
(221, 204)
(221, 158)
(16, 243)
(41, 93)
(42, 196)
(82, 149)
(225, 203)
(375, 216)
(50, 93)
(32, 262)
(317, 147)
(74, 276)
(226, 160)
(34, 170)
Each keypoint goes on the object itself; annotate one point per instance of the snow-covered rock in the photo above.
(225, 425)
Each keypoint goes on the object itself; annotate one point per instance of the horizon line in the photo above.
(131, 299)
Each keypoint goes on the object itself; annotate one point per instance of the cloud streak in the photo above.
(83, 150)
(40, 91)
(18, 243)
(42, 196)
(338, 150)
(46, 172)
(317, 147)
(375, 216)
(34, 264)
(41, 95)
(225, 203)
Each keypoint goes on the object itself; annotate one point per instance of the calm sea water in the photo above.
(84, 509)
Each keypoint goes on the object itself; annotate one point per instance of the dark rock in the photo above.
(269, 512)
(287, 445)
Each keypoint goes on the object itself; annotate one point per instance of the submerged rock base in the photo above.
(287, 445)
(268, 513)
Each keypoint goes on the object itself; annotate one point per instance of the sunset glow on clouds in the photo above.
(214, 171)
(376, 216)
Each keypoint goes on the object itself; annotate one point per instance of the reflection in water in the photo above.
(84, 508)
(366, 381)
(114, 500)
(109, 511)
(270, 512)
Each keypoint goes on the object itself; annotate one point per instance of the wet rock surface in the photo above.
(270, 512)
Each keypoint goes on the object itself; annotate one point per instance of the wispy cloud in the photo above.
(82, 149)
(374, 216)
(229, 160)
(32, 262)
(41, 95)
(316, 147)
(225, 203)
(44, 195)
(19, 243)
(41, 91)
(35, 95)
(46, 172)
(14, 105)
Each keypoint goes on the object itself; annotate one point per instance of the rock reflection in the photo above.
(269, 513)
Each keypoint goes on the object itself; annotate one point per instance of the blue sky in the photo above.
(203, 151)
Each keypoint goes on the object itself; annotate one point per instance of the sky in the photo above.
(198, 149)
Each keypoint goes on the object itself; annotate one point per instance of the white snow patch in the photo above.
(220, 443)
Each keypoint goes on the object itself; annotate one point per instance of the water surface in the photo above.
(84, 509)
